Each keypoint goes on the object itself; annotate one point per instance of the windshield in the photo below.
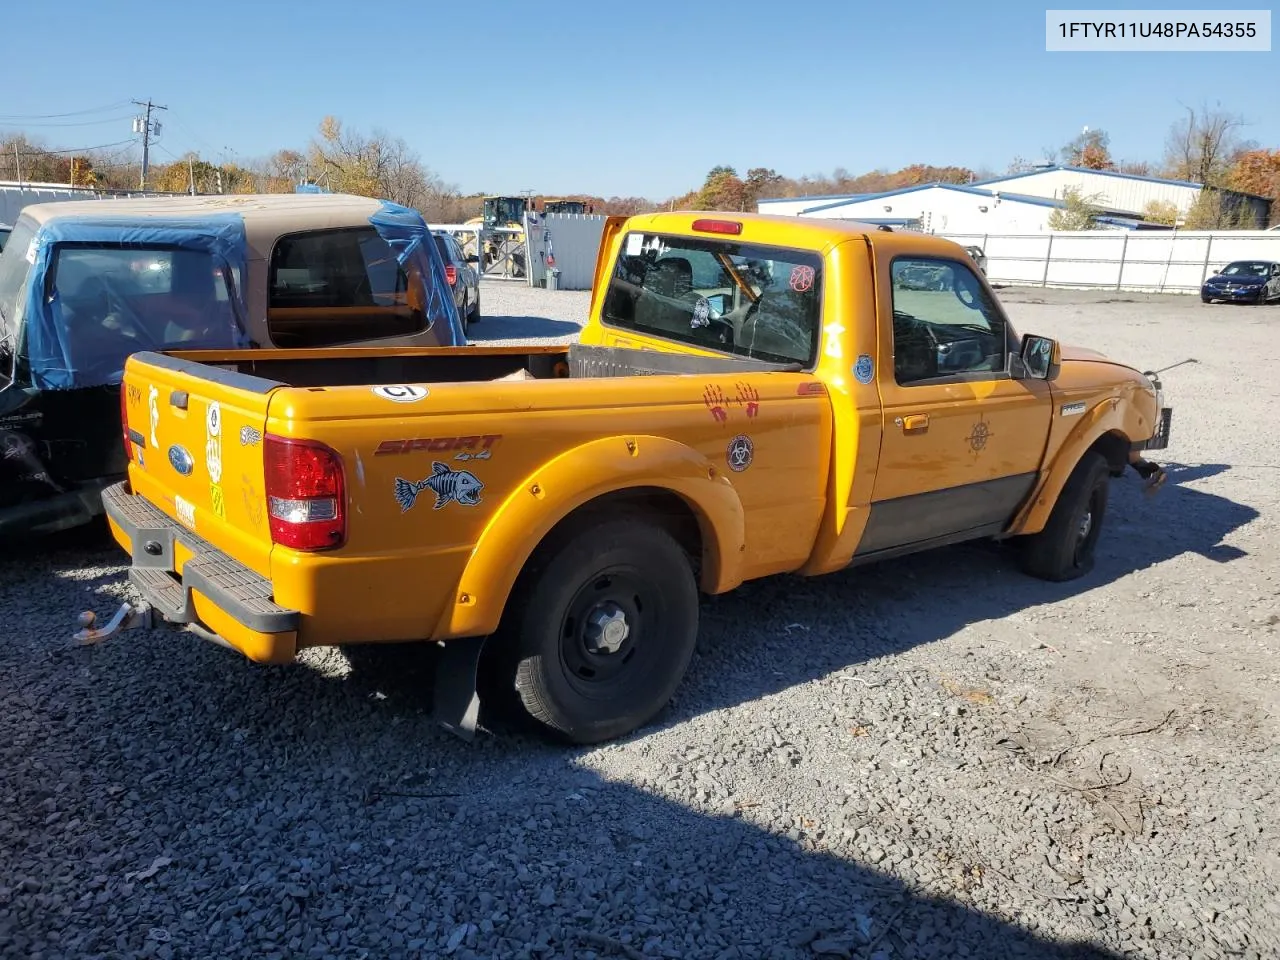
(1246, 268)
(504, 210)
(744, 299)
(109, 301)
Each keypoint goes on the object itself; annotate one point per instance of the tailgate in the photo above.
(196, 450)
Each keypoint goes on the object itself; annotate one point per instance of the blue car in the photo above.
(1244, 281)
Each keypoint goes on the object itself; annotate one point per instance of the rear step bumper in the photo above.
(213, 591)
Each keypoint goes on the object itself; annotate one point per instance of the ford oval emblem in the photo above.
(181, 460)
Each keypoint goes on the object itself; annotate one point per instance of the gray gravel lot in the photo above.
(935, 757)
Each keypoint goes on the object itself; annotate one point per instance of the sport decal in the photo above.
(716, 402)
(17, 446)
(745, 397)
(864, 370)
(253, 501)
(802, 279)
(401, 392)
(250, 436)
(979, 435)
(701, 313)
(153, 410)
(186, 512)
(748, 397)
(450, 486)
(740, 452)
(834, 348)
(213, 442)
(474, 447)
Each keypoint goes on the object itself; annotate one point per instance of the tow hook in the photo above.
(1152, 474)
(129, 616)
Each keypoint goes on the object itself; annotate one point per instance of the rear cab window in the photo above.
(328, 287)
(743, 299)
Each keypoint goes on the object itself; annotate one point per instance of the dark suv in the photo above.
(464, 279)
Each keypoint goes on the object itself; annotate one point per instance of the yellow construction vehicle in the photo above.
(565, 206)
(505, 212)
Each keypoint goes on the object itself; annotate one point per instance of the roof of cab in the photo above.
(810, 233)
(266, 215)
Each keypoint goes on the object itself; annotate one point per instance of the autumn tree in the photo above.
(1160, 211)
(1200, 145)
(1090, 149)
(1258, 172)
(1078, 212)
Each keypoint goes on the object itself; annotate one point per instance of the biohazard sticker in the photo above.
(864, 370)
(802, 279)
(740, 452)
(701, 313)
(401, 392)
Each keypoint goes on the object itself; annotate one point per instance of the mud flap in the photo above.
(456, 703)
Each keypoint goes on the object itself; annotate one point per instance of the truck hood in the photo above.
(1072, 352)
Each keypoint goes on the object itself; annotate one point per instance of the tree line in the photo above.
(1206, 146)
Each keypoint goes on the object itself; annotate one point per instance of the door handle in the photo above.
(916, 423)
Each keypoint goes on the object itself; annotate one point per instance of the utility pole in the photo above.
(148, 130)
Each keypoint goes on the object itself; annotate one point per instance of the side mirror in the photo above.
(1041, 357)
(472, 258)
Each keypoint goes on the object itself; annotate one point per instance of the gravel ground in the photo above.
(936, 757)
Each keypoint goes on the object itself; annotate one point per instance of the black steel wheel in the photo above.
(1065, 548)
(602, 625)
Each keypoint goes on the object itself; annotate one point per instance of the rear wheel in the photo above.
(602, 627)
(475, 309)
(1064, 549)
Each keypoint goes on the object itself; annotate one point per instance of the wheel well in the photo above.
(1115, 447)
(668, 510)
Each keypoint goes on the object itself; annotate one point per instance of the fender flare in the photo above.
(1106, 417)
(577, 476)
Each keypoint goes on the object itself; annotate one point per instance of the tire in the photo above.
(1204, 299)
(624, 566)
(1065, 548)
(464, 315)
(474, 317)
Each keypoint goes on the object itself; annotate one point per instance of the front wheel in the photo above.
(1064, 549)
(602, 628)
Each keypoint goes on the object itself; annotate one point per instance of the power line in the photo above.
(44, 153)
(55, 116)
(75, 123)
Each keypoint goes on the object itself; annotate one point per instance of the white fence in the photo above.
(1171, 261)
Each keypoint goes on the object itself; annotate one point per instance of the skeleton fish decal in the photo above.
(459, 486)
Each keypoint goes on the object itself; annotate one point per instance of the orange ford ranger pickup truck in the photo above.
(751, 395)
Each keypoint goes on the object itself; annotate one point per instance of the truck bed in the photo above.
(374, 365)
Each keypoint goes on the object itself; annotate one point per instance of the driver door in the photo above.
(962, 439)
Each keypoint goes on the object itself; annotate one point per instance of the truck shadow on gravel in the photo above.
(803, 629)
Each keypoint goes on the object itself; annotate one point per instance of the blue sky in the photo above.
(600, 98)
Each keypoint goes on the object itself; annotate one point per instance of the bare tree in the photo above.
(1201, 145)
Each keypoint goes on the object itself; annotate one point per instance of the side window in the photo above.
(945, 324)
(328, 287)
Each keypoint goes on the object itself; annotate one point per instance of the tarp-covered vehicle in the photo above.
(84, 285)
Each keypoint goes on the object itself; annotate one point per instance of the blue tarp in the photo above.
(64, 358)
(407, 233)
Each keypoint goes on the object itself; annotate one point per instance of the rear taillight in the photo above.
(451, 274)
(124, 423)
(305, 494)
